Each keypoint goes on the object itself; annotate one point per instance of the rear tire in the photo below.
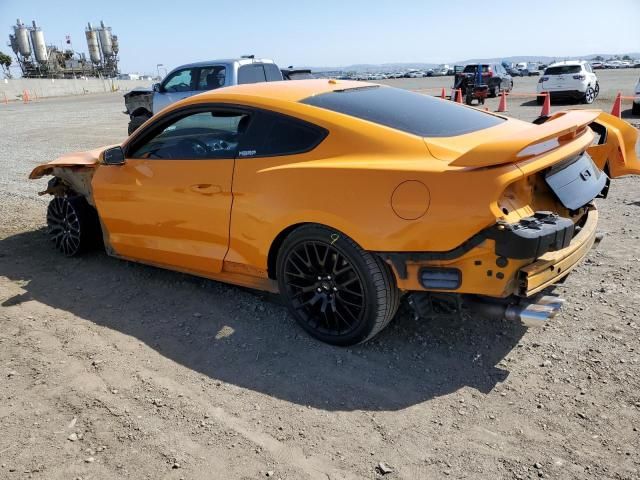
(336, 291)
(589, 96)
(635, 109)
(496, 91)
(72, 225)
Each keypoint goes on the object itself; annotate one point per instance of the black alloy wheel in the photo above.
(336, 291)
(72, 224)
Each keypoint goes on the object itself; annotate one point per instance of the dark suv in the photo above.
(494, 76)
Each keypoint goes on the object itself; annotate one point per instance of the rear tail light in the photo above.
(490, 72)
(579, 77)
(543, 79)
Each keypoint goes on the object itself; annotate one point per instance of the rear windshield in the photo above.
(407, 111)
(474, 69)
(563, 70)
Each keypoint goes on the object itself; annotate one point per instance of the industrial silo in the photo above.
(92, 44)
(105, 40)
(39, 46)
(22, 38)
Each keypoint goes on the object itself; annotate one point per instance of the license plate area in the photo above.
(576, 182)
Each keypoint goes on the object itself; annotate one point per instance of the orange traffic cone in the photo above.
(442, 95)
(459, 97)
(546, 106)
(25, 96)
(502, 106)
(617, 106)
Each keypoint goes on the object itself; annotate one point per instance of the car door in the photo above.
(169, 204)
(178, 85)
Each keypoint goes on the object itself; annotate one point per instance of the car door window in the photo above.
(180, 81)
(274, 134)
(251, 74)
(203, 135)
(211, 77)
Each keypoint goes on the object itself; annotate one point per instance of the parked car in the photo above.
(494, 76)
(597, 65)
(441, 70)
(232, 185)
(191, 79)
(571, 79)
(635, 109)
(527, 69)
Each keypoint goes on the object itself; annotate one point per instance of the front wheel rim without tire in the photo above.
(324, 288)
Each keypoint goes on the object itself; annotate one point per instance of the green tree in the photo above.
(627, 57)
(5, 63)
(598, 58)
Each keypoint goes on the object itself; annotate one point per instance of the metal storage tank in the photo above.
(39, 46)
(92, 44)
(105, 40)
(116, 46)
(22, 38)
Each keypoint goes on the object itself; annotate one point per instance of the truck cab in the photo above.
(191, 79)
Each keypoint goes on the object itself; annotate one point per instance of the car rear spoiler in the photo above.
(558, 130)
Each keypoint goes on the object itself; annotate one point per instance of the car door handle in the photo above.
(206, 188)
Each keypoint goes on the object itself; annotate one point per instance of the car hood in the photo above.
(88, 159)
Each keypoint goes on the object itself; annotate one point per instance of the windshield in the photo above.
(407, 111)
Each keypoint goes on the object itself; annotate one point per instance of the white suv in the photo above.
(571, 79)
(636, 102)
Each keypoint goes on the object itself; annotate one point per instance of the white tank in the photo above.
(39, 46)
(92, 44)
(105, 40)
(22, 39)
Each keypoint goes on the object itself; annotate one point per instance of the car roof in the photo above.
(568, 62)
(285, 90)
(225, 61)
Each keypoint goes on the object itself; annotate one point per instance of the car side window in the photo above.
(272, 72)
(180, 81)
(210, 134)
(211, 77)
(274, 134)
(251, 74)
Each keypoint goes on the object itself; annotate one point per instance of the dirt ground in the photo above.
(110, 369)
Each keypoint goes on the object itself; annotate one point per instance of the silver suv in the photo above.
(194, 78)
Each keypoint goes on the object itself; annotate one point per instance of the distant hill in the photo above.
(391, 67)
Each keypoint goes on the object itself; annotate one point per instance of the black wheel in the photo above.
(496, 90)
(635, 109)
(72, 225)
(136, 122)
(336, 291)
(589, 96)
(596, 90)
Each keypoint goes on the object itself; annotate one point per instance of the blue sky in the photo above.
(334, 33)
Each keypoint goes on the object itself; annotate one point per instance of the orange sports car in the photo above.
(345, 196)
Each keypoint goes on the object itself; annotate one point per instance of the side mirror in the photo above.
(156, 87)
(113, 156)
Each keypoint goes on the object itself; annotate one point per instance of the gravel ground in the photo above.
(115, 370)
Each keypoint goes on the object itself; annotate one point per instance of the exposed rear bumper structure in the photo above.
(554, 266)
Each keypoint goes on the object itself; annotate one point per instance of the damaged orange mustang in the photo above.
(344, 196)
